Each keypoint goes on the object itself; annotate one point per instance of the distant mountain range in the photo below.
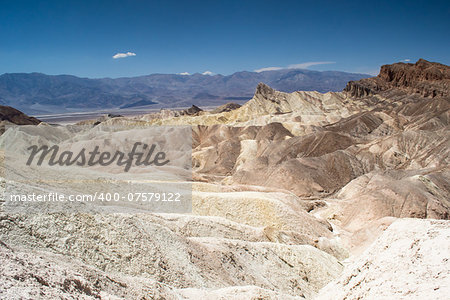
(36, 93)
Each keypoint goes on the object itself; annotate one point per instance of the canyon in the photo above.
(295, 195)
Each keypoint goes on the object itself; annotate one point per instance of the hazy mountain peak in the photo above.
(40, 93)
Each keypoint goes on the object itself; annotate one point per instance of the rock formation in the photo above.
(410, 260)
(226, 107)
(15, 116)
(427, 79)
(191, 111)
(9, 116)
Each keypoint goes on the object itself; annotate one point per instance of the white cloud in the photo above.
(184, 73)
(407, 60)
(305, 65)
(268, 69)
(122, 55)
(207, 73)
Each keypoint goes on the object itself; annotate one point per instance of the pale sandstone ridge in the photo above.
(267, 101)
(298, 111)
(410, 260)
(144, 247)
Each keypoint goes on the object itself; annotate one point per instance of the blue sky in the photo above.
(81, 37)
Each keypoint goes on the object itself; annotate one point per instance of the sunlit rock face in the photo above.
(427, 79)
(417, 250)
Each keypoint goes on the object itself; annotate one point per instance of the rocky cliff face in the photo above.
(15, 116)
(424, 78)
(10, 115)
(415, 249)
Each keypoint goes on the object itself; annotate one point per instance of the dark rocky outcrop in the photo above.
(424, 78)
(12, 115)
(191, 111)
(226, 107)
(360, 88)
